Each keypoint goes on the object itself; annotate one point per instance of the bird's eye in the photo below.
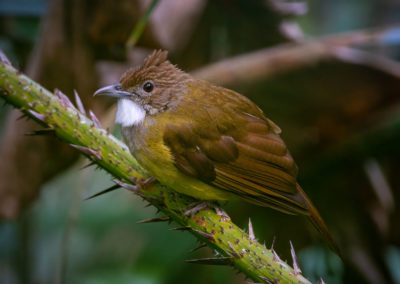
(148, 87)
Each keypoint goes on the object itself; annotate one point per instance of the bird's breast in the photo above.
(145, 142)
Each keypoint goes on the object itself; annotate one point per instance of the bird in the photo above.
(207, 141)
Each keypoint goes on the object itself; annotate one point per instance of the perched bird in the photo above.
(206, 141)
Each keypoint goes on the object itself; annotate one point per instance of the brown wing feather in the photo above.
(255, 165)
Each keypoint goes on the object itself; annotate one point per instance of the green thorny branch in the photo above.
(69, 123)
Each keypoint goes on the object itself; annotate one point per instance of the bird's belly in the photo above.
(161, 166)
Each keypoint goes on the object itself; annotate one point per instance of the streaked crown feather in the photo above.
(155, 67)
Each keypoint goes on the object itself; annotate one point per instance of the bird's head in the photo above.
(149, 89)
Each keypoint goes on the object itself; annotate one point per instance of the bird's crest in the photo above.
(155, 59)
(154, 66)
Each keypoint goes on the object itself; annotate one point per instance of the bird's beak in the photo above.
(113, 91)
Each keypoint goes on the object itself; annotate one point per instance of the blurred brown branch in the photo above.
(261, 64)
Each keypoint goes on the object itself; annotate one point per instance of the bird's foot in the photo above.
(145, 184)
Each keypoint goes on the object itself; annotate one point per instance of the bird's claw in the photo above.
(145, 184)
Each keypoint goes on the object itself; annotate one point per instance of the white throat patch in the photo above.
(129, 113)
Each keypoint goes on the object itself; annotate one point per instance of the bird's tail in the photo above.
(319, 223)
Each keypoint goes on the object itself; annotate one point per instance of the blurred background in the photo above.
(326, 72)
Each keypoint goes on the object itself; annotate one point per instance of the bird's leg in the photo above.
(145, 184)
(198, 206)
(141, 185)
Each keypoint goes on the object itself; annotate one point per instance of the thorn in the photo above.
(273, 242)
(104, 191)
(131, 187)
(276, 256)
(193, 211)
(45, 132)
(4, 59)
(36, 115)
(88, 165)
(233, 253)
(263, 278)
(268, 280)
(87, 151)
(208, 236)
(95, 119)
(251, 232)
(296, 267)
(202, 245)
(154, 220)
(64, 100)
(186, 228)
(212, 261)
(220, 212)
(79, 103)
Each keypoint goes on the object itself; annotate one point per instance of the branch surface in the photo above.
(268, 62)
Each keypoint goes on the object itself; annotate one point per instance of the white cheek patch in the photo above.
(129, 113)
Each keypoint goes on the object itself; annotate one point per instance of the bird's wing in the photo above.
(248, 158)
